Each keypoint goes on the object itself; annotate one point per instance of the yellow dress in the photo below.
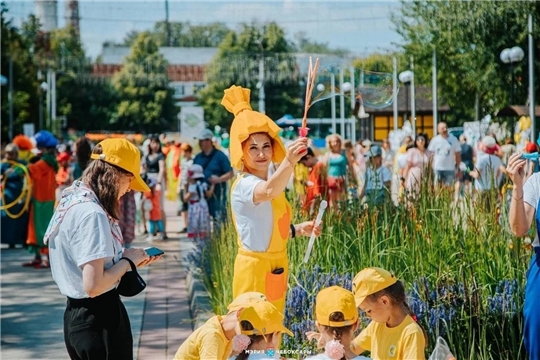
(253, 270)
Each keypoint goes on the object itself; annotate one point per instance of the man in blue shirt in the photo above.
(217, 170)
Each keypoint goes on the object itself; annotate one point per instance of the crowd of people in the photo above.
(72, 206)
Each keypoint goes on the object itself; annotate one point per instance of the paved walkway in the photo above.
(32, 308)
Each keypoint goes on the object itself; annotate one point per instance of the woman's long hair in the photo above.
(103, 178)
(82, 152)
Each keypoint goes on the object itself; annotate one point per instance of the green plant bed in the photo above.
(464, 273)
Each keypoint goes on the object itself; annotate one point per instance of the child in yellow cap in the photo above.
(337, 320)
(213, 340)
(392, 333)
(261, 325)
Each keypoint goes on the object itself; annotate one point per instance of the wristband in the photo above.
(293, 231)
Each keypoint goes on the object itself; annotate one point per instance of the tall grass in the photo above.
(464, 273)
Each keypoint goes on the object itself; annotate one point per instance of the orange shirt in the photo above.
(315, 186)
(62, 176)
(155, 196)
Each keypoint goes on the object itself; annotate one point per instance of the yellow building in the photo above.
(381, 121)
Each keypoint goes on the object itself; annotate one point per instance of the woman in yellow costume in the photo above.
(261, 214)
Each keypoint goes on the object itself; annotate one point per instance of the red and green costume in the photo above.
(43, 175)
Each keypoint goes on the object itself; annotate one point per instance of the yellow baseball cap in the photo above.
(369, 281)
(335, 299)
(246, 299)
(125, 155)
(265, 319)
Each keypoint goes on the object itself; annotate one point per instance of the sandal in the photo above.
(43, 265)
(32, 263)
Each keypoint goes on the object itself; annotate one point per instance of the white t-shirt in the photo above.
(444, 152)
(83, 235)
(375, 179)
(254, 221)
(531, 195)
(488, 165)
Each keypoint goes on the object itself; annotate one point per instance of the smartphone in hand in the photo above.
(153, 251)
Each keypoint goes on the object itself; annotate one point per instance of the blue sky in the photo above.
(363, 27)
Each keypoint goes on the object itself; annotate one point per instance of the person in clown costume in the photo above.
(43, 174)
(25, 146)
(261, 214)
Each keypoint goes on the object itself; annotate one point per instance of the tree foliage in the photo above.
(182, 34)
(303, 44)
(18, 47)
(237, 63)
(142, 86)
(468, 37)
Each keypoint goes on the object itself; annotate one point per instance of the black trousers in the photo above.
(98, 328)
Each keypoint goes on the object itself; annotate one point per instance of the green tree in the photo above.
(237, 63)
(184, 34)
(19, 48)
(144, 96)
(468, 37)
(304, 44)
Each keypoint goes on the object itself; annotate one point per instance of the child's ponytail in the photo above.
(396, 292)
(409, 312)
(334, 349)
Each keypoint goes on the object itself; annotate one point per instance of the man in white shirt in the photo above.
(446, 151)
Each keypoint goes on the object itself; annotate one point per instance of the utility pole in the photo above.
(262, 95)
(532, 114)
(53, 101)
(10, 97)
(434, 84)
(413, 101)
(167, 23)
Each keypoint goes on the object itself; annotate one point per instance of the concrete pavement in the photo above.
(32, 308)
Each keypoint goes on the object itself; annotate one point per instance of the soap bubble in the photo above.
(326, 83)
(375, 88)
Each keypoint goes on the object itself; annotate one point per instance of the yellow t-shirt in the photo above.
(208, 342)
(404, 342)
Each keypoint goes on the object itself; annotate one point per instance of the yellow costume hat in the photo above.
(247, 122)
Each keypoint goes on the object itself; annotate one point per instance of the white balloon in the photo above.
(320, 87)
(347, 86)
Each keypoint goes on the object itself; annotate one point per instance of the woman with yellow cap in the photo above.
(261, 214)
(88, 262)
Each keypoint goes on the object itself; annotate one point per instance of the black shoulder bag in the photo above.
(131, 282)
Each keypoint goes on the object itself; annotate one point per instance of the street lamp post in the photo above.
(43, 87)
(406, 77)
(512, 56)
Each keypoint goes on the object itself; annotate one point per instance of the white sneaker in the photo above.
(150, 238)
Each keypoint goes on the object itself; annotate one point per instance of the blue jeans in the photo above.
(445, 176)
(153, 224)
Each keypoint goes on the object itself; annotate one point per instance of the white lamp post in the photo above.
(512, 56)
(406, 77)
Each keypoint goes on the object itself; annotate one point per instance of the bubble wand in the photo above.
(312, 72)
(322, 208)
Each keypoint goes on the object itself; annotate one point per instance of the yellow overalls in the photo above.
(253, 270)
